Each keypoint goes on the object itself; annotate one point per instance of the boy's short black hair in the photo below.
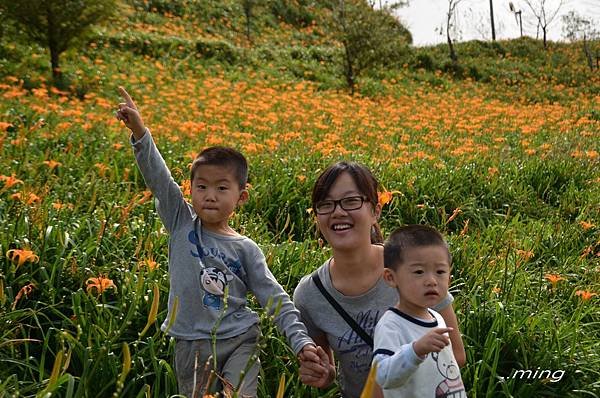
(407, 237)
(225, 157)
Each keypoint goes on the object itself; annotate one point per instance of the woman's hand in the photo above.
(320, 373)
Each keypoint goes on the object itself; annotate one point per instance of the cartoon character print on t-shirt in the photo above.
(213, 280)
(452, 385)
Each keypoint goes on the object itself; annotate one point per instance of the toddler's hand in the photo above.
(130, 116)
(309, 353)
(315, 369)
(434, 341)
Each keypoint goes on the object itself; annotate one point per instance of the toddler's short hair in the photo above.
(407, 237)
(224, 157)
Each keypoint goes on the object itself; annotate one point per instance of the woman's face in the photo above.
(347, 229)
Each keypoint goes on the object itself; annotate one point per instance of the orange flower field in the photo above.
(500, 153)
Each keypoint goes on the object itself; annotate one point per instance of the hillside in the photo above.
(292, 40)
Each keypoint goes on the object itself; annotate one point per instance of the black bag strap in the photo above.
(355, 326)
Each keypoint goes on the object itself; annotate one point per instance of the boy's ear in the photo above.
(388, 277)
(244, 195)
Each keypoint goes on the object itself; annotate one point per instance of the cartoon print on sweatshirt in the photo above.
(212, 279)
(452, 386)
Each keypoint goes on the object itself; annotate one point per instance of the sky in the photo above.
(425, 17)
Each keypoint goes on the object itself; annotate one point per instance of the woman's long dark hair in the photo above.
(363, 178)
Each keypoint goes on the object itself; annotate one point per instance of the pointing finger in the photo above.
(127, 97)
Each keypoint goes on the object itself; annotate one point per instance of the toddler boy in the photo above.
(412, 349)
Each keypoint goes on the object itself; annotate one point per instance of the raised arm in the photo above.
(171, 205)
(129, 114)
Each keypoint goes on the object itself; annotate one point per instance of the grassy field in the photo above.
(501, 154)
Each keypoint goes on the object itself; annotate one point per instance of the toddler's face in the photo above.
(422, 278)
(215, 195)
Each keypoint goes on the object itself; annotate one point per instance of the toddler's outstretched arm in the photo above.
(395, 368)
(434, 341)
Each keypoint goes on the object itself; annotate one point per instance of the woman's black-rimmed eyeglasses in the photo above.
(348, 203)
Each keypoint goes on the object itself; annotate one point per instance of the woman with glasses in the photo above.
(345, 202)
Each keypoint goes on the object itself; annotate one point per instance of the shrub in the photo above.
(149, 44)
(295, 12)
(425, 61)
(218, 49)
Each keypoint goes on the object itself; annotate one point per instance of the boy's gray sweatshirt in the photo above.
(202, 264)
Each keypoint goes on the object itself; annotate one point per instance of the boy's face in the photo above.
(215, 195)
(422, 279)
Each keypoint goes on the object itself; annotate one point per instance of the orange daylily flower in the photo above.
(24, 291)
(186, 187)
(146, 196)
(10, 181)
(385, 197)
(52, 164)
(586, 251)
(101, 168)
(455, 213)
(101, 283)
(554, 279)
(526, 254)
(21, 256)
(465, 228)
(150, 263)
(4, 126)
(28, 199)
(585, 295)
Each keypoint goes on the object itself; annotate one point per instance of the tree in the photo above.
(56, 24)
(492, 20)
(370, 37)
(544, 13)
(577, 27)
(450, 25)
(248, 7)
